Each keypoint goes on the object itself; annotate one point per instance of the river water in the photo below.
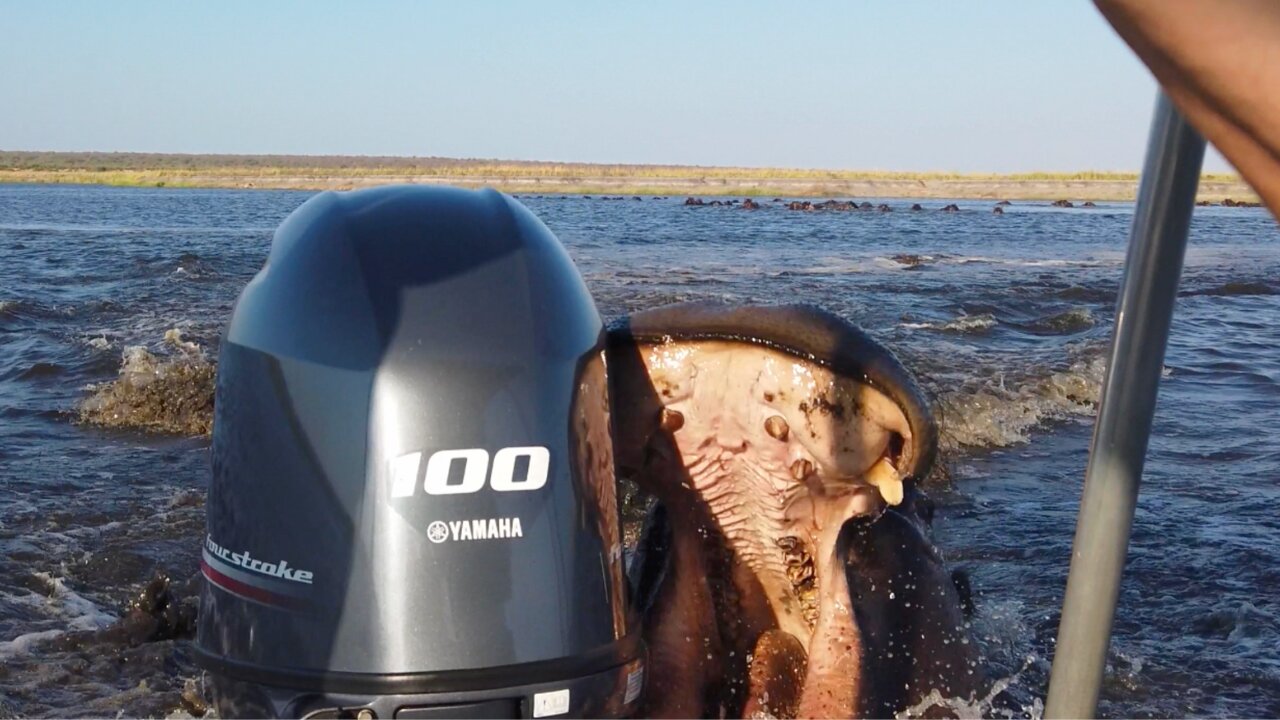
(1005, 317)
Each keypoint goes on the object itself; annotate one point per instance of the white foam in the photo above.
(23, 643)
(843, 267)
(1026, 262)
(68, 608)
(961, 324)
(79, 612)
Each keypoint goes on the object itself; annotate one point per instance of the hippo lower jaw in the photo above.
(761, 431)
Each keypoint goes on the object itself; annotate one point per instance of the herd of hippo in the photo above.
(1228, 202)
(840, 205)
(848, 205)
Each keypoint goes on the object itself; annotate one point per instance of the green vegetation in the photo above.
(344, 172)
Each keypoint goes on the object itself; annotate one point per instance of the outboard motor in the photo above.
(413, 509)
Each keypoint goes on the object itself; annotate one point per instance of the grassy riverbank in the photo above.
(347, 172)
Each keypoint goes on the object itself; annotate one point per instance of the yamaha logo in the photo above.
(478, 529)
(437, 532)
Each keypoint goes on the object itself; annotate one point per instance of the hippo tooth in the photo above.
(670, 420)
(776, 427)
(800, 574)
(801, 469)
(884, 476)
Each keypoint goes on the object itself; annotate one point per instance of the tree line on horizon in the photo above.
(60, 161)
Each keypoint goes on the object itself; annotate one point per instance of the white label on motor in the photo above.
(635, 683)
(402, 472)
(551, 703)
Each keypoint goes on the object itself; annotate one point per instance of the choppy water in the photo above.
(1005, 316)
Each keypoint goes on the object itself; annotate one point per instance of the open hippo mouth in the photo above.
(762, 432)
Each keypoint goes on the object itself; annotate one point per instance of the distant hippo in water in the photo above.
(786, 570)
(916, 207)
(1062, 203)
(997, 210)
(836, 205)
(952, 208)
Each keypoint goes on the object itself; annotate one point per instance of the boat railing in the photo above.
(1144, 310)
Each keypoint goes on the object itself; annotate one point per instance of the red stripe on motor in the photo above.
(245, 590)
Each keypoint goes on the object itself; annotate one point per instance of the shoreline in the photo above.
(346, 173)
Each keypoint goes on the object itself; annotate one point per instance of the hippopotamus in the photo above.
(951, 208)
(750, 204)
(785, 569)
(836, 205)
(917, 207)
(1062, 203)
(997, 210)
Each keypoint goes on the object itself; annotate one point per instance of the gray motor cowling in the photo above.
(412, 511)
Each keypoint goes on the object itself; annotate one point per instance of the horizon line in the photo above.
(444, 159)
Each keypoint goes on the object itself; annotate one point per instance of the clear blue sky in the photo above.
(978, 86)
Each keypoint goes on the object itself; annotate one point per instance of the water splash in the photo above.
(984, 707)
(158, 393)
(999, 413)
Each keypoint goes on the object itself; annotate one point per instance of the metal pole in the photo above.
(1157, 243)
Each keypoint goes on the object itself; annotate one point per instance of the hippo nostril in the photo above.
(801, 469)
(777, 427)
(895, 448)
(670, 420)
